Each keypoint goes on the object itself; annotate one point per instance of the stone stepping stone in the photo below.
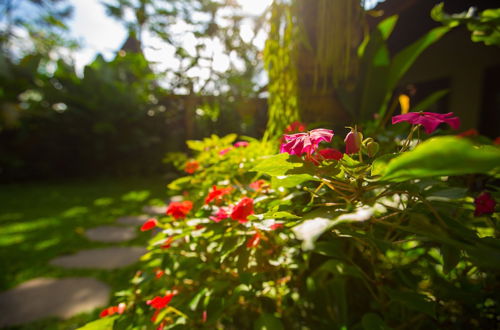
(111, 234)
(152, 209)
(133, 220)
(48, 297)
(105, 258)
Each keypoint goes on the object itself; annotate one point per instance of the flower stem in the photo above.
(409, 138)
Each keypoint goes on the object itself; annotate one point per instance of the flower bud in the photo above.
(353, 141)
(372, 148)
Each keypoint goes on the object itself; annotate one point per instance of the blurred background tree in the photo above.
(120, 116)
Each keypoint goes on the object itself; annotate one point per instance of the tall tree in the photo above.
(40, 22)
(208, 23)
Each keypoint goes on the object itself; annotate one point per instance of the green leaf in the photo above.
(193, 304)
(405, 58)
(280, 215)
(387, 26)
(276, 165)
(442, 156)
(372, 321)
(290, 181)
(106, 323)
(414, 301)
(331, 248)
(451, 257)
(268, 322)
(179, 183)
(228, 139)
(379, 164)
(195, 145)
(446, 194)
(339, 268)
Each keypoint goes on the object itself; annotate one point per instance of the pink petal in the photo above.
(409, 117)
(430, 123)
(453, 122)
(320, 134)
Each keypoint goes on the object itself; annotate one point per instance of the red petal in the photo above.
(254, 241)
(150, 224)
(276, 226)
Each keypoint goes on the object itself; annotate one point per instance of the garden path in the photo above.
(65, 297)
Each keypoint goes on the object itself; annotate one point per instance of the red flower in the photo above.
(120, 309)
(353, 142)
(254, 241)
(191, 166)
(242, 210)
(258, 185)
(241, 144)
(150, 224)
(469, 132)
(497, 141)
(485, 204)
(297, 144)
(168, 243)
(159, 273)
(216, 194)
(179, 210)
(331, 154)
(160, 302)
(296, 126)
(222, 213)
(429, 120)
(275, 226)
(155, 315)
(204, 316)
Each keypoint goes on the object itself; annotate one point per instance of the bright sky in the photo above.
(101, 34)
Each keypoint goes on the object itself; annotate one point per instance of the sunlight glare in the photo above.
(254, 7)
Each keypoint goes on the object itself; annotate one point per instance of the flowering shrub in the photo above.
(396, 232)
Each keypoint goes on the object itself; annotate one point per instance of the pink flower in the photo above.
(429, 120)
(297, 144)
(222, 213)
(224, 151)
(150, 224)
(241, 144)
(353, 142)
(485, 204)
(242, 210)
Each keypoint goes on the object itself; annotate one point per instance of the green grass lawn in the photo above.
(40, 221)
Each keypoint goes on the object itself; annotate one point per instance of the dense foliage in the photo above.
(63, 125)
(399, 231)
